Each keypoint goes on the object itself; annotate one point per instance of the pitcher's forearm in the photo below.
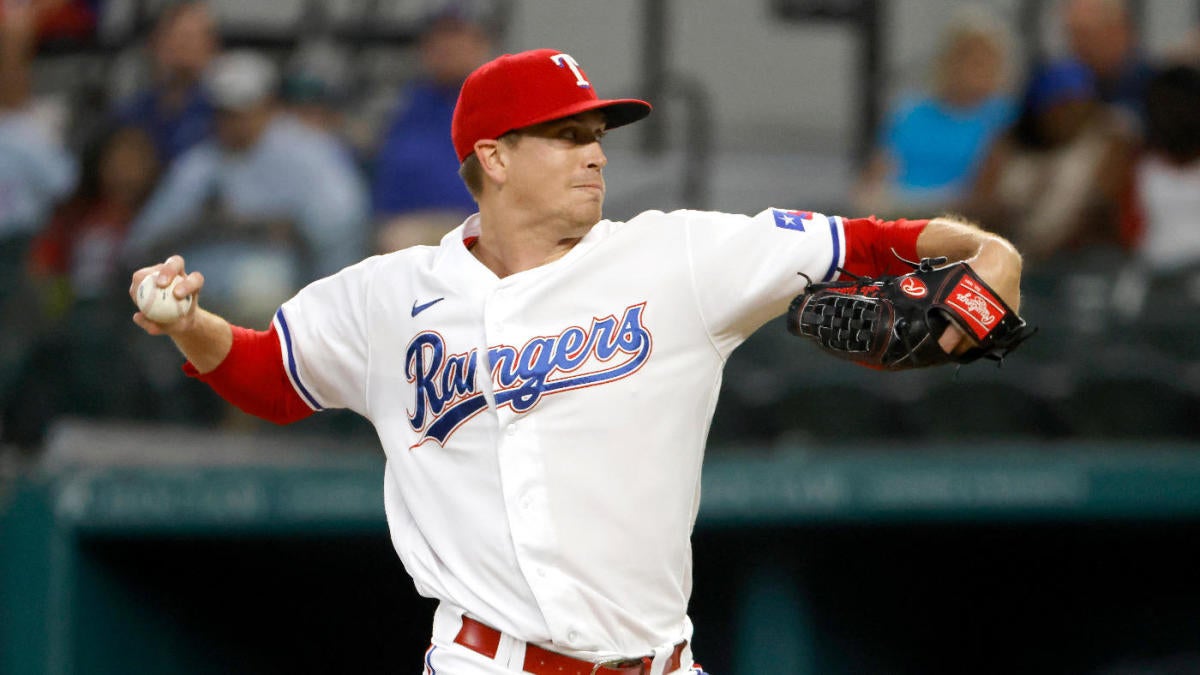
(993, 257)
(205, 341)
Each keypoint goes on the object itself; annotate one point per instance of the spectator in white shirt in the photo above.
(267, 193)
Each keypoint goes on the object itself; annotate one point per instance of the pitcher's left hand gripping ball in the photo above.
(893, 323)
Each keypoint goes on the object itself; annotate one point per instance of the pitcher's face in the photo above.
(557, 168)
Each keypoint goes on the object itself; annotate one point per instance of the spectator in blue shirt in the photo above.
(931, 145)
(269, 204)
(416, 192)
(36, 171)
(174, 109)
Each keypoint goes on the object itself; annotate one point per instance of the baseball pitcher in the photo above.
(543, 380)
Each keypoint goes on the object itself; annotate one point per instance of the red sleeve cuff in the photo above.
(252, 377)
(872, 245)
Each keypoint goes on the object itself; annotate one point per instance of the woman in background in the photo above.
(74, 266)
(931, 145)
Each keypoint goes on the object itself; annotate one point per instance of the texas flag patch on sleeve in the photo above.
(791, 220)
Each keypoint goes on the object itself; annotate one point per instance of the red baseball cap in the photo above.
(520, 90)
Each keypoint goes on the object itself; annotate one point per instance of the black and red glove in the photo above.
(894, 322)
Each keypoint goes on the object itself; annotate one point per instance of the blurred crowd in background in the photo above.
(266, 171)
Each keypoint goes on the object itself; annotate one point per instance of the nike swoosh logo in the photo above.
(417, 309)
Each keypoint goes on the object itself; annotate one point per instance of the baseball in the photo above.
(160, 304)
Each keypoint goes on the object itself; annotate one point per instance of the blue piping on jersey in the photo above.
(837, 248)
(429, 659)
(287, 339)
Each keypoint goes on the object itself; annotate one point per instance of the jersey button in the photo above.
(572, 637)
(541, 572)
(512, 429)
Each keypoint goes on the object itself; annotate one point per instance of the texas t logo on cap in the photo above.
(568, 61)
(520, 90)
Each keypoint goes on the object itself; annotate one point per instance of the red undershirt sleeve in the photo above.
(252, 378)
(870, 243)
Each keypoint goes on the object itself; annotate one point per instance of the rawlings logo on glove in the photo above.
(894, 323)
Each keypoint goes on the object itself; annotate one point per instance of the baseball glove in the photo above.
(894, 322)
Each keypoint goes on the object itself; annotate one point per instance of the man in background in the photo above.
(174, 109)
(266, 193)
(1101, 35)
(417, 195)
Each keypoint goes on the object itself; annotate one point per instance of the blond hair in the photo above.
(972, 22)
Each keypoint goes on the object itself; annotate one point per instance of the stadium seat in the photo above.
(1078, 300)
(738, 425)
(830, 412)
(1123, 399)
(983, 402)
(1169, 316)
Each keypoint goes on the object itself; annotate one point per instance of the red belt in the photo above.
(485, 640)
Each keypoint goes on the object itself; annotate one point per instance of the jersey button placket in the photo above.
(523, 477)
(495, 312)
(524, 485)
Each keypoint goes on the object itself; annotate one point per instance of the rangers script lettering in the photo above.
(446, 394)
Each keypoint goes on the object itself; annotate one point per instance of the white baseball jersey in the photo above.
(544, 432)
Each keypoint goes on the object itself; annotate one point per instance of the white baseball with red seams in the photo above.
(159, 303)
(501, 402)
